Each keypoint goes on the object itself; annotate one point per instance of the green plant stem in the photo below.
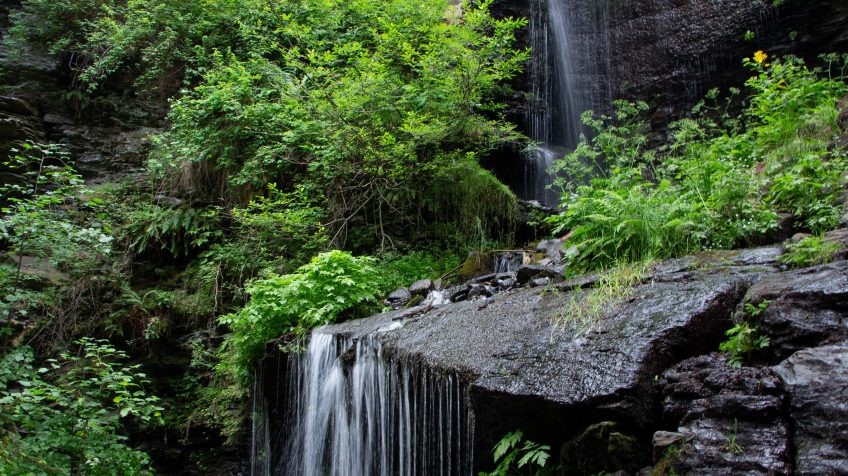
(21, 248)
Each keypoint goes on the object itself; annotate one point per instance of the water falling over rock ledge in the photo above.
(347, 408)
(500, 366)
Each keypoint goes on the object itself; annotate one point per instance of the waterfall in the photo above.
(352, 410)
(508, 262)
(564, 61)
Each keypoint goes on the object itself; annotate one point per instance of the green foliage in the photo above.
(614, 224)
(742, 339)
(397, 269)
(810, 251)
(732, 445)
(175, 230)
(364, 104)
(584, 308)
(472, 201)
(36, 219)
(67, 418)
(618, 146)
(368, 102)
(46, 236)
(516, 456)
(812, 190)
(332, 284)
(151, 39)
(665, 466)
(280, 223)
(704, 190)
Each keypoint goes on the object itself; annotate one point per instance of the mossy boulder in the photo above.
(477, 264)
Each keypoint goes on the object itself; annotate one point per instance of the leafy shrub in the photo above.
(398, 269)
(627, 224)
(67, 418)
(395, 101)
(43, 223)
(37, 218)
(812, 190)
(810, 251)
(176, 231)
(742, 339)
(150, 39)
(624, 200)
(515, 456)
(332, 284)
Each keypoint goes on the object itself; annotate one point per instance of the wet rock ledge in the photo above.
(643, 381)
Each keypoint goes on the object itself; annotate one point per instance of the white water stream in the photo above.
(354, 411)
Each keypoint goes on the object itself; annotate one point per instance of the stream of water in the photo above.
(352, 410)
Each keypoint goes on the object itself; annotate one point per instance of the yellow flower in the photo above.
(760, 56)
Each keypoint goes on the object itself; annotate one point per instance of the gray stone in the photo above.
(732, 418)
(525, 373)
(478, 291)
(750, 263)
(552, 250)
(527, 272)
(421, 287)
(817, 383)
(663, 440)
(399, 295)
(798, 237)
(458, 293)
(807, 307)
(57, 120)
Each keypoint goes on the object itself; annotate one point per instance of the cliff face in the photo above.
(669, 52)
(106, 133)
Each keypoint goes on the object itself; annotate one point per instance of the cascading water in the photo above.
(352, 410)
(559, 69)
(508, 262)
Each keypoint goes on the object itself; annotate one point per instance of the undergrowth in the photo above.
(584, 308)
(723, 181)
(811, 251)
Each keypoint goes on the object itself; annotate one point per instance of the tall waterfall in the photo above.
(562, 63)
(351, 410)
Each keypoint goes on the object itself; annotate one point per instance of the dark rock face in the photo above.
(670, 52)
(598, 396)
(527, 272)
(816, 381)
(601, 448)
(808, 307)
(18, 120)
(421, 287)
(525, 374)
(732, 418)
(106, 133)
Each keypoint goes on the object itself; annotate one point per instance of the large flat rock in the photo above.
(524, 373)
